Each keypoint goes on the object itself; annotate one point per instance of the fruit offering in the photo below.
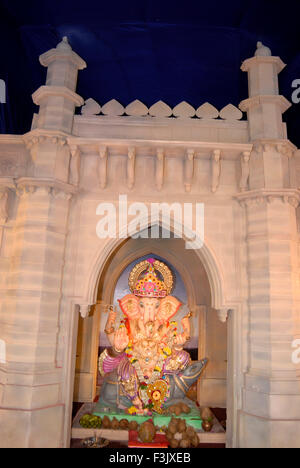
(147, 432)
(179, 435)
(90, 421)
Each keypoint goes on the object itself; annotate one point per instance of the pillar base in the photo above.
(256, 432)
(41, 428)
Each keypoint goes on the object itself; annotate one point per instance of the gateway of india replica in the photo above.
(58, 277)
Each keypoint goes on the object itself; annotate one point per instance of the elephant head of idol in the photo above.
(151, 283)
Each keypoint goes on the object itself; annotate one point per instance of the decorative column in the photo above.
(189, 169)
(270, 414)
(131, 167)
(201, 312)
(215, 170)
(102, 166)
(31, 381)
(87, 355)
(159, 169)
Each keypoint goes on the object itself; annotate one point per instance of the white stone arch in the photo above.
(154, 250)
(205, 253)
(215, 276)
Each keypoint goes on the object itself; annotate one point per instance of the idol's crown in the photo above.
(151, 278)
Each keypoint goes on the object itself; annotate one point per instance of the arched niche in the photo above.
(199, 300)
(204, 253)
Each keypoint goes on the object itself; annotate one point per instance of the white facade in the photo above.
(54, 266)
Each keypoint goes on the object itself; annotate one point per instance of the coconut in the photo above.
(184, 443)
(182, 425)
(195, 441)
(115, 424)
(185, 408)
(106, 422)
(147, 432)
(190, 431)
(133, 425)
(124, 424)
(174, 443)
(173, 425)
(172, 409)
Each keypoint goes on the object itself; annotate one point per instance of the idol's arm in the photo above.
(121, 340)
(110, 327)
(109, 360)
(183, 337)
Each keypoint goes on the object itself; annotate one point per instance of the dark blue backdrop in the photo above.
(147, 50)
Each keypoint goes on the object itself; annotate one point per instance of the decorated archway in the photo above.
(205, 260)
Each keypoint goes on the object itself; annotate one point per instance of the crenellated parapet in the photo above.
(160, 109)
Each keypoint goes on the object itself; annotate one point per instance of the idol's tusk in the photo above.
(189, 315)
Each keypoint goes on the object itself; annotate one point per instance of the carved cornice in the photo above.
(45, 92)
(255, 101)
(229, 150)
(3, 205)
(282, 146)
(57, 189)
(131, 167)
(260, 196)
(84, 310)
(7, 182)
(102, 166)
(75, 164)
(159, 169)
(189, 169)
(245, 170)
(40, 136)
(216, 169)
(255, 61)
(62, 55)
(223, 314)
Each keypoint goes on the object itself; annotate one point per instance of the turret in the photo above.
(57, 99)
(264, 106)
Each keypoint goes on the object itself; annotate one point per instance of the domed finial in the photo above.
(262, 50)
(64, 44)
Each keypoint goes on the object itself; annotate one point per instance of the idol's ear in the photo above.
(130, 306)
(168, 308)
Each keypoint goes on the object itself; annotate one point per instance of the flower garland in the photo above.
(145, 381)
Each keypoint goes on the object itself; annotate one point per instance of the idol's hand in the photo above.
(121, 340)
(111, 319)
(138, 404)
(180, 340)
(186, 325)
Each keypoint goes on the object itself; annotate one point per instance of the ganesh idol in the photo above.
(146, 367)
